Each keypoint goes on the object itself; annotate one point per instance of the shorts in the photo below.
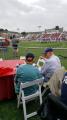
(15, 46)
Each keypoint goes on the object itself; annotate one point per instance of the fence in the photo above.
(8, 53)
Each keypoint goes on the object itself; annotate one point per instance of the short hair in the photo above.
(30, 57)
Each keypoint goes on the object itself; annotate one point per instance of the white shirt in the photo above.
(50, 66)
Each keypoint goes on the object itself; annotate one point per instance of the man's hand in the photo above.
(41, 57)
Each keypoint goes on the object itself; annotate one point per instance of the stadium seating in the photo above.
(52, 36)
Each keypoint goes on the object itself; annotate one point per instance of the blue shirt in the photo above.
(26, 73)
(64, 90)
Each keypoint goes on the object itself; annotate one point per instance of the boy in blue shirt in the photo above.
(27, 73)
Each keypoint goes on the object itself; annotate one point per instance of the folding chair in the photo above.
(1, 59)
(22, 99)
(22, 57)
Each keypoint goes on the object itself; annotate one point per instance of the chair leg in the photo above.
(40, 94)
(18, 98)
(24, 109)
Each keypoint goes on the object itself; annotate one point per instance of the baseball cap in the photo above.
(47, 50)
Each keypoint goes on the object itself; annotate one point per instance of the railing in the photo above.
(8, 53)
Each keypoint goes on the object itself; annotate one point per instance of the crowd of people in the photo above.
(29, 72)
(45, 37)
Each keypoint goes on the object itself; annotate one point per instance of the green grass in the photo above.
(8, 109)
(24, 48)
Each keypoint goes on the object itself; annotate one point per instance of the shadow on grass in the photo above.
(9, 111)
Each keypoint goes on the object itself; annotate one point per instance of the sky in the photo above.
(32, 15)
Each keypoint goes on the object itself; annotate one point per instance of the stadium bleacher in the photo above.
(45, 37)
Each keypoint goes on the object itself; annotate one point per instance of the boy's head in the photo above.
(30, 57)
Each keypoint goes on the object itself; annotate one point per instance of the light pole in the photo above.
(39, 27)
(18, 30)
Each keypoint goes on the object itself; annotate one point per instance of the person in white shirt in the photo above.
(52, 63)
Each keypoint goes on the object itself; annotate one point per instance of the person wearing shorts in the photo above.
(15, 46)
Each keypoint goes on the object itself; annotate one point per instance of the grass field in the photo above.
(8, 109)
(25, 47)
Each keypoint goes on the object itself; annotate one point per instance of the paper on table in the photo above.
(40, 62)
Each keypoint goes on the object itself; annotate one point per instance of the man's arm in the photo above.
(16, 77)
(45, 68)
(17, 80)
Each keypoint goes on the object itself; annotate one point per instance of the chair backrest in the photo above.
(22, 57)
(1, 59)
(57, 109)
(56, 81)
(31, 83)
